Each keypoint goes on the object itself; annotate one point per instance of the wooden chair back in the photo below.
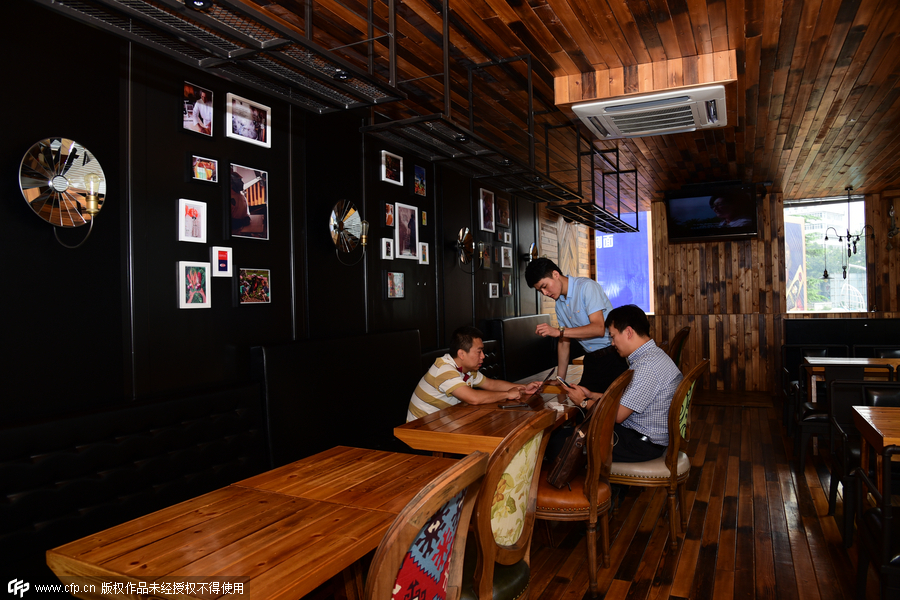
(676, 346)
(439, 512)
(600, 437)
(497, 489)
(680, 416)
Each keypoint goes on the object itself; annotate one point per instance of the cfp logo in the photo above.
(18, 587)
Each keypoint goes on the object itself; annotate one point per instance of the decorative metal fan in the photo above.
(465, 246)
(63, 184)
(346, 226)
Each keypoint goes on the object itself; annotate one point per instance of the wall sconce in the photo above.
(348, 230)
(465, 250)
(893, 230)
(63, 183)
(531, 254)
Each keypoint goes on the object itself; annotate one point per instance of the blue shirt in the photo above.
(650, 392)
(585, 297)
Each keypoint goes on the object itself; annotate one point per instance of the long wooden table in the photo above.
(879, 427)
(276, 536)
(463, 428)
(817, 366)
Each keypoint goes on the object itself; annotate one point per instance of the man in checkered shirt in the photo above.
(642, 420)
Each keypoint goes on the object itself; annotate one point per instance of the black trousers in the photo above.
(601, 368)
(631, 448)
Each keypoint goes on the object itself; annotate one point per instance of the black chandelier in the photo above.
(851, 240)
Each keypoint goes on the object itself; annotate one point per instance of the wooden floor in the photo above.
(758, 527)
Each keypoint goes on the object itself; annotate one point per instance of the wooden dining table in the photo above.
(879, 427)
(816, 367)
(464, 428)
(276, 536)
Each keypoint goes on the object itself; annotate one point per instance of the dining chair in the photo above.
(844, 394)
(497, 559)
(670, 470)
(794, 376)
(588, 495)
(676, 347)
(846, 456)
(421, 553)
(812, 418)
(879, 532)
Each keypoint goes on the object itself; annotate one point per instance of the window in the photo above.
(807, 255)
(624, 265)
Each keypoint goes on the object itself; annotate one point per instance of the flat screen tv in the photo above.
(712, 212)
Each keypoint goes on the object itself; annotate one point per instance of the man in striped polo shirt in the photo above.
(455, 378)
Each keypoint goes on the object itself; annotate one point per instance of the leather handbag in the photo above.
(572, 457)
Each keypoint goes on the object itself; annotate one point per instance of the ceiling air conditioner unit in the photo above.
(674, 111)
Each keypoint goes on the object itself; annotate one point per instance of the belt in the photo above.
(647, 439)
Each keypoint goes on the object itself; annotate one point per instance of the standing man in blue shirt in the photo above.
(581, 309)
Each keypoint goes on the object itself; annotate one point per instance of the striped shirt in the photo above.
(435, 389)
(650, 392)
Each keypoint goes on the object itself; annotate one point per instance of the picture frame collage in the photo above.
(245, 203)
(406, 220)
(494, 217)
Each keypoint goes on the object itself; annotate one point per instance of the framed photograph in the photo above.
(249, 202)
(395, 285)
(204, 169)
(507, 237)
(391, 168)
(221, 258)
(499, 236)
(406, 231)
(389, 215)
(419, 181)
(198, 109)
(486, 214)
(506, 257)
(193, 285)
(191, 221)
(423, 253)
(248, 121)
(493, 290)
(497, 255)
(387, 248)
(487, 256)
(254, 286)
(506, 283)
(424, 218)
(502, 212)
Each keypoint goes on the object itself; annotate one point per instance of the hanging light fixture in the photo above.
(851, 240)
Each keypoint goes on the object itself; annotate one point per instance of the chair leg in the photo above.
(862, 571)
(849, 510)
(592, 558)
(673, 520)
(604, 538)
(805, 436)
(832, 493)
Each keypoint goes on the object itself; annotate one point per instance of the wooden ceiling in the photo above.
(817, 81)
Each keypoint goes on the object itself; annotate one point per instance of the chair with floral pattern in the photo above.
(497, 553)
(420, 555)
(671, 470)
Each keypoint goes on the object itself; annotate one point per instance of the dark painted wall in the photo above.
(100, 325)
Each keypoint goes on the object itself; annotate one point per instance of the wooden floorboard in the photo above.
(758, 526)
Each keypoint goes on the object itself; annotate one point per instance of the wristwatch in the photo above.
(562, 331)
